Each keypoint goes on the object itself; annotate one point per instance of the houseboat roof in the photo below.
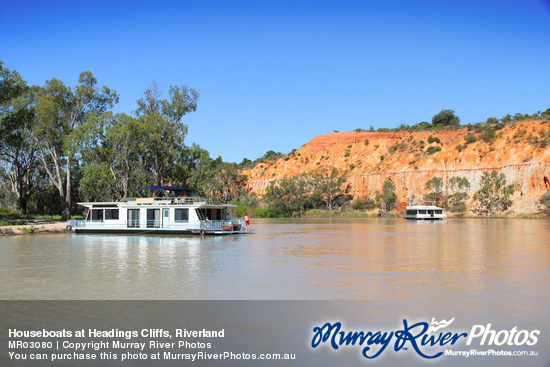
(152, 202)
(422, 204)
(166, 188)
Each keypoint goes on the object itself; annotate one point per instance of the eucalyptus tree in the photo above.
(434, 189)
(60, 110)
(459, 187)
(161, 132)
(328, 183)
(277, 199)
(108, 146)
(227, 178)
(120, 152)
(387, 198)
(494, 194)
(196, 170)
(289, 195)
(18, 149)
(545, 200)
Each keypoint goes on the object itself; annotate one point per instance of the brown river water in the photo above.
(373, 270)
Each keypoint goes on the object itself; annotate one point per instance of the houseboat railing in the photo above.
(420, 203)
(76, 223)
(237, 224)
(180, 200)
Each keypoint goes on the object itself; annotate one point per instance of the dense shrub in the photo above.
(433, 149)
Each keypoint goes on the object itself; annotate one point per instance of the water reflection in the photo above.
(477, 270)
(368, 259)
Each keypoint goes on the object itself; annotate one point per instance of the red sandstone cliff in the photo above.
(519, 150)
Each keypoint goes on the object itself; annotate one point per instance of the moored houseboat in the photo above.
(424, 210)
(171, 210)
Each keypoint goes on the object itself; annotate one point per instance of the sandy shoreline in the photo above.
(33, 227)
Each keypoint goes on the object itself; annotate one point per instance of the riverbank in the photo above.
(33, 227)
(316, 213)
(50, 226)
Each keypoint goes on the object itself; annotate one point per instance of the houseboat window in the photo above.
(182, 215)
(411, 212)
(133, 218)
(201, 214)
(111, 214)
(153, 218)
(421, 212)
(97, 215)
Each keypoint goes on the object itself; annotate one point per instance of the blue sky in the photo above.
(272, 75)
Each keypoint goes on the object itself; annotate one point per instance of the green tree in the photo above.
(459, 188)
(494, 194)
(196, 170)
(489, 135)
(18, 149)
(506, 119)
(545, 200)
(277, 199)
(227, 179)
(121, 153)
(518, 117)
(329, 185)
(387, 199)
(445, 118)
(434, 188)
(60, 110)
(108, 147)
(288, 195)
(161, 131)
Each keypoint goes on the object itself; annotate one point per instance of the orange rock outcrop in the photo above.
(521, 151)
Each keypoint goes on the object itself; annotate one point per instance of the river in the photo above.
(476, 270)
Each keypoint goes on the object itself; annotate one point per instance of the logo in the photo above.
(418, 337)
(439, 325)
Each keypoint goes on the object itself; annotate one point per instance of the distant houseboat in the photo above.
(424, 210)
(171, 210)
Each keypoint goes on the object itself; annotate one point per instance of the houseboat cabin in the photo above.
(424, 210)
(170, 210)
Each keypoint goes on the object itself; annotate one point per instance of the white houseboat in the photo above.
(424, 210)
(172, 210)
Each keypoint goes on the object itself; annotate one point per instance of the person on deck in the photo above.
(246, 220)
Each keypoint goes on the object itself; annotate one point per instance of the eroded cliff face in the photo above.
(521, 151)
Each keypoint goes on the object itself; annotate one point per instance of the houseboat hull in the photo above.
(426, 219)
(164, 232)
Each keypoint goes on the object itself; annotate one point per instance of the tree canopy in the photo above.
(386, 199)
(494, 194)
(445, 118)
(59, 111)
(18, 149)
